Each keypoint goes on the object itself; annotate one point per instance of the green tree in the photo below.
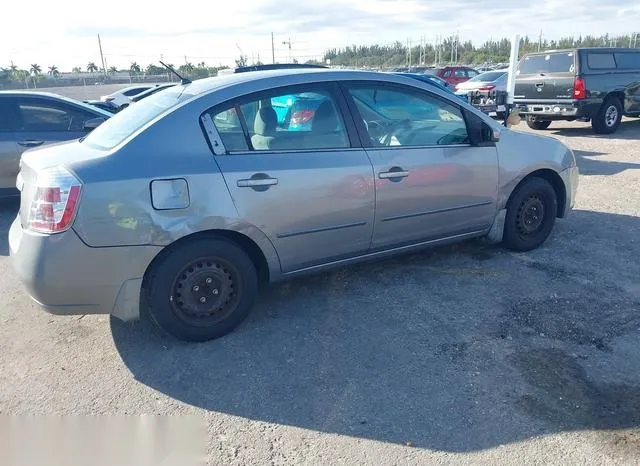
(35, 69)
(53, 71)
(134, 68)
(154, 70)
(243, 60)
(113, 69)
(76, 69)
(91, 67)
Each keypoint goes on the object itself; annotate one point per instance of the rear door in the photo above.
(9, 154)
(546, 77)
(310, 188)
(43, 121)
(430, 182)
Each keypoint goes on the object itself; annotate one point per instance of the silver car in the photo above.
(31, 119)
(195, 195)
(487, 81)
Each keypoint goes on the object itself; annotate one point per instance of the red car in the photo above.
(455, 74)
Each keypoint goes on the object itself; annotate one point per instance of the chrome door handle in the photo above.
(253, 182)
(30, 143)
(393, 174)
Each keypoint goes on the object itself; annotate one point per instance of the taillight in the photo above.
(54, 202)
(579, 89)
(301, 117)
(487, 88)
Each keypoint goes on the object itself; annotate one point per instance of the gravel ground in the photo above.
(466, 354)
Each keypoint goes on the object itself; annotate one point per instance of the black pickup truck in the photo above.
(600, 85)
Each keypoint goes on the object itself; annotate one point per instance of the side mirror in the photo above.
(93, 123)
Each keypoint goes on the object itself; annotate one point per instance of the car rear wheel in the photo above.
(531, 214)
(201, 290)
(534, 123)
(608, 118)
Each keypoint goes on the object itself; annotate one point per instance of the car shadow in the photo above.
(8, 211)
(588, 164)
(629, 129)
(457, 349)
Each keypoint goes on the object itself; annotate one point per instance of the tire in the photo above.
(608, 118)
(177, 289)
(537, 124)
(524, 230)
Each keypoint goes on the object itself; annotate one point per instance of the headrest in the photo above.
(325, 119)
(266, 122)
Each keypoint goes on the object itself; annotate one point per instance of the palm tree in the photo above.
(35, 69)
(91, 67)
(76, 69)
(13, 67)
(134, 68)
(53, 71)
(202, 65)
(113, 69)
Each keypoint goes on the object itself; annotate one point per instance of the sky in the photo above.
(64, 32)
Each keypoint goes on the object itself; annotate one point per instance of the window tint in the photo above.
(601, 61)
(628, 60)
(291, 121)
(562, 62)
(461, 73)
(447, 74)
(134, 91)
(403, 117)
(43, 115)
(8, 117)
(489, 76)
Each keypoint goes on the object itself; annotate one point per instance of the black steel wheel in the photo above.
(202, 289)
(531, 214)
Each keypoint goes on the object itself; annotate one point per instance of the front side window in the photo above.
(44, 116)
(461, 73)
(403, 117)
(282, 121)
(601, 61)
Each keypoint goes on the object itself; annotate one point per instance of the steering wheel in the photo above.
(391, 129)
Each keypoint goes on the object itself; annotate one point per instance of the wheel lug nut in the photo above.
(209, 280)
(203, 300)
(195, 288)
(215, 291)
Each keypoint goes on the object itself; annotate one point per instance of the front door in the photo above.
(9, 154)
(300, 182)
(430, 182)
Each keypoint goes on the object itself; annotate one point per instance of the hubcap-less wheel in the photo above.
(611, 116)
(530, 216)
(206, 291)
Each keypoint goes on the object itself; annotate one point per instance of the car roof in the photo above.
(53, 96)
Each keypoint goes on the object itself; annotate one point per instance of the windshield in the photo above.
(120, 126)
(561, 62)
(489, 76)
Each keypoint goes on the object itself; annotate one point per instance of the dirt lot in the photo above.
(465, 354)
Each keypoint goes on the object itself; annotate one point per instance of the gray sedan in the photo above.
(195, 195)
(30, 119)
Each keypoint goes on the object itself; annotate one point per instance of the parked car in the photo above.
(122, 96)
(487, 81)
(433, 80)
(587, 84)
(106, 106)
(172, 202)
(151, 91)
(455, 74)
(31, 119)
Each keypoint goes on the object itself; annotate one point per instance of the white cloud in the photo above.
(44, 32)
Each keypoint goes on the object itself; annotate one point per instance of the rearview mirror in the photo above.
(93, 123)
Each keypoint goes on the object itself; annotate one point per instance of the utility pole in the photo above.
(540, 41)
(273, 50)
(288, 42)
(104, 67)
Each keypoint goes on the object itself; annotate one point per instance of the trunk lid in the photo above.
(33, 161)
(546, 77)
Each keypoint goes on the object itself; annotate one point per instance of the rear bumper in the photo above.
(65, 276)
(558, 110)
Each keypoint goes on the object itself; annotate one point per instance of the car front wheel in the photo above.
(531, 214)
(202, 289)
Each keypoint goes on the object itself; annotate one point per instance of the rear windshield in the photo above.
(560, 62)
(123, 124)
(488, 76)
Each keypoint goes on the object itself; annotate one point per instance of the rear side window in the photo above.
(45, 116)
(561, 62)
(305, 120)
(601, 61)
(135, 91)
(8, 115)
(628, 60)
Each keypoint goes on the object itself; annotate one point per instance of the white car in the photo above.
(487, 81)
(123, 96)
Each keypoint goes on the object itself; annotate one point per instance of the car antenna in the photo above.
(183, 80)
